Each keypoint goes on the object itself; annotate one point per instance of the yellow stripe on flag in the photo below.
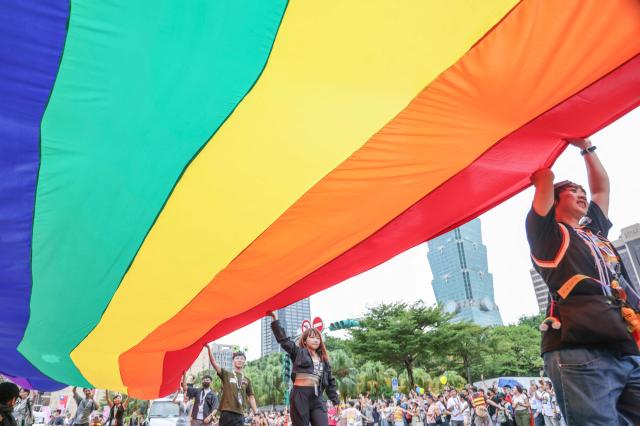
(338, 72)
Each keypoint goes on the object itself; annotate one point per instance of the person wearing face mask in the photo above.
(592, 329)
(205, 402)
(237, 390)
(311, 375)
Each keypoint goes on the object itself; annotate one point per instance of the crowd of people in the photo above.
(494, 406)
(17, 409)
(469, 406)
(512, 406)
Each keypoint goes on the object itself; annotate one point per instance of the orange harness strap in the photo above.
(570, 284)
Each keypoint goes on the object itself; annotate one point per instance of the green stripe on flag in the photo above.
(142, 86)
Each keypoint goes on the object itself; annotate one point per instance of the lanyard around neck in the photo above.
(238, 383)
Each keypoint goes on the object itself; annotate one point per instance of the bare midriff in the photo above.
(303, 379)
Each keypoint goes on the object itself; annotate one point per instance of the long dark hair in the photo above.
(313, 332)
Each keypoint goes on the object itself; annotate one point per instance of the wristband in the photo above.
(588, 150)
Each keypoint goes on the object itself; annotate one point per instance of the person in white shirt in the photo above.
(536, 404)
(352, 415)
(456, 407)
(520, 403)
(549, 406)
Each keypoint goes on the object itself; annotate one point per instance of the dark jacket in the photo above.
(6, 413)
(303, 363)
(210, 402)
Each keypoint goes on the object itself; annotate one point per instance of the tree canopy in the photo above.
(417, 344)
(397, 334)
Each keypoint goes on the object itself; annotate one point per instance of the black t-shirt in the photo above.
(6, 416)
(559, 252)
(116, 415)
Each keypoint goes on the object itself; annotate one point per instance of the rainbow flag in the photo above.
(171, 170)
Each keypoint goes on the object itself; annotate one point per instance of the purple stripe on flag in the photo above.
(32, 37)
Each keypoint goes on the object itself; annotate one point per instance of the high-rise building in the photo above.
(222, 353)
(628, 245)
(461, 279)
(541, 290)
(291, 319)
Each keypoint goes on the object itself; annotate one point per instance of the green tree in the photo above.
(420, 376)
(461, 346)
(513, 351)
(532, 321)
(371, 378)
(389, 374)
(345, 373)
(454, 380)
(335, 343)
(137, 405)
(266, 376)
(397, 334)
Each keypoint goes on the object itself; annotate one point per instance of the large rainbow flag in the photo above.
(170, 170)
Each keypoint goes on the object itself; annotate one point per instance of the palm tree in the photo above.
(422, 378)
(344, 372)
(389, 374)
(371, 377)
(454, 380)
(266, 378)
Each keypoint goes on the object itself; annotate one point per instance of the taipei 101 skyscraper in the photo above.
(462, 282)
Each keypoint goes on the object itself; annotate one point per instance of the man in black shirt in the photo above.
(589, 353)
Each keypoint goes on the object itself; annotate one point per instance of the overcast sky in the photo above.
(407, 277)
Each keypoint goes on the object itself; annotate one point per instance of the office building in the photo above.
(462, 282)
(540, 289)
(628, 246)
(222, 353)
(291, 319)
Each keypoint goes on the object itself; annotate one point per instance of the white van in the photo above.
(163, 412)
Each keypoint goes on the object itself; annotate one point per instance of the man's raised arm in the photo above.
(543, 198)
(598, 178)
(216, 366)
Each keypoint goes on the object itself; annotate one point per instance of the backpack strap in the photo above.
(570, 284)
